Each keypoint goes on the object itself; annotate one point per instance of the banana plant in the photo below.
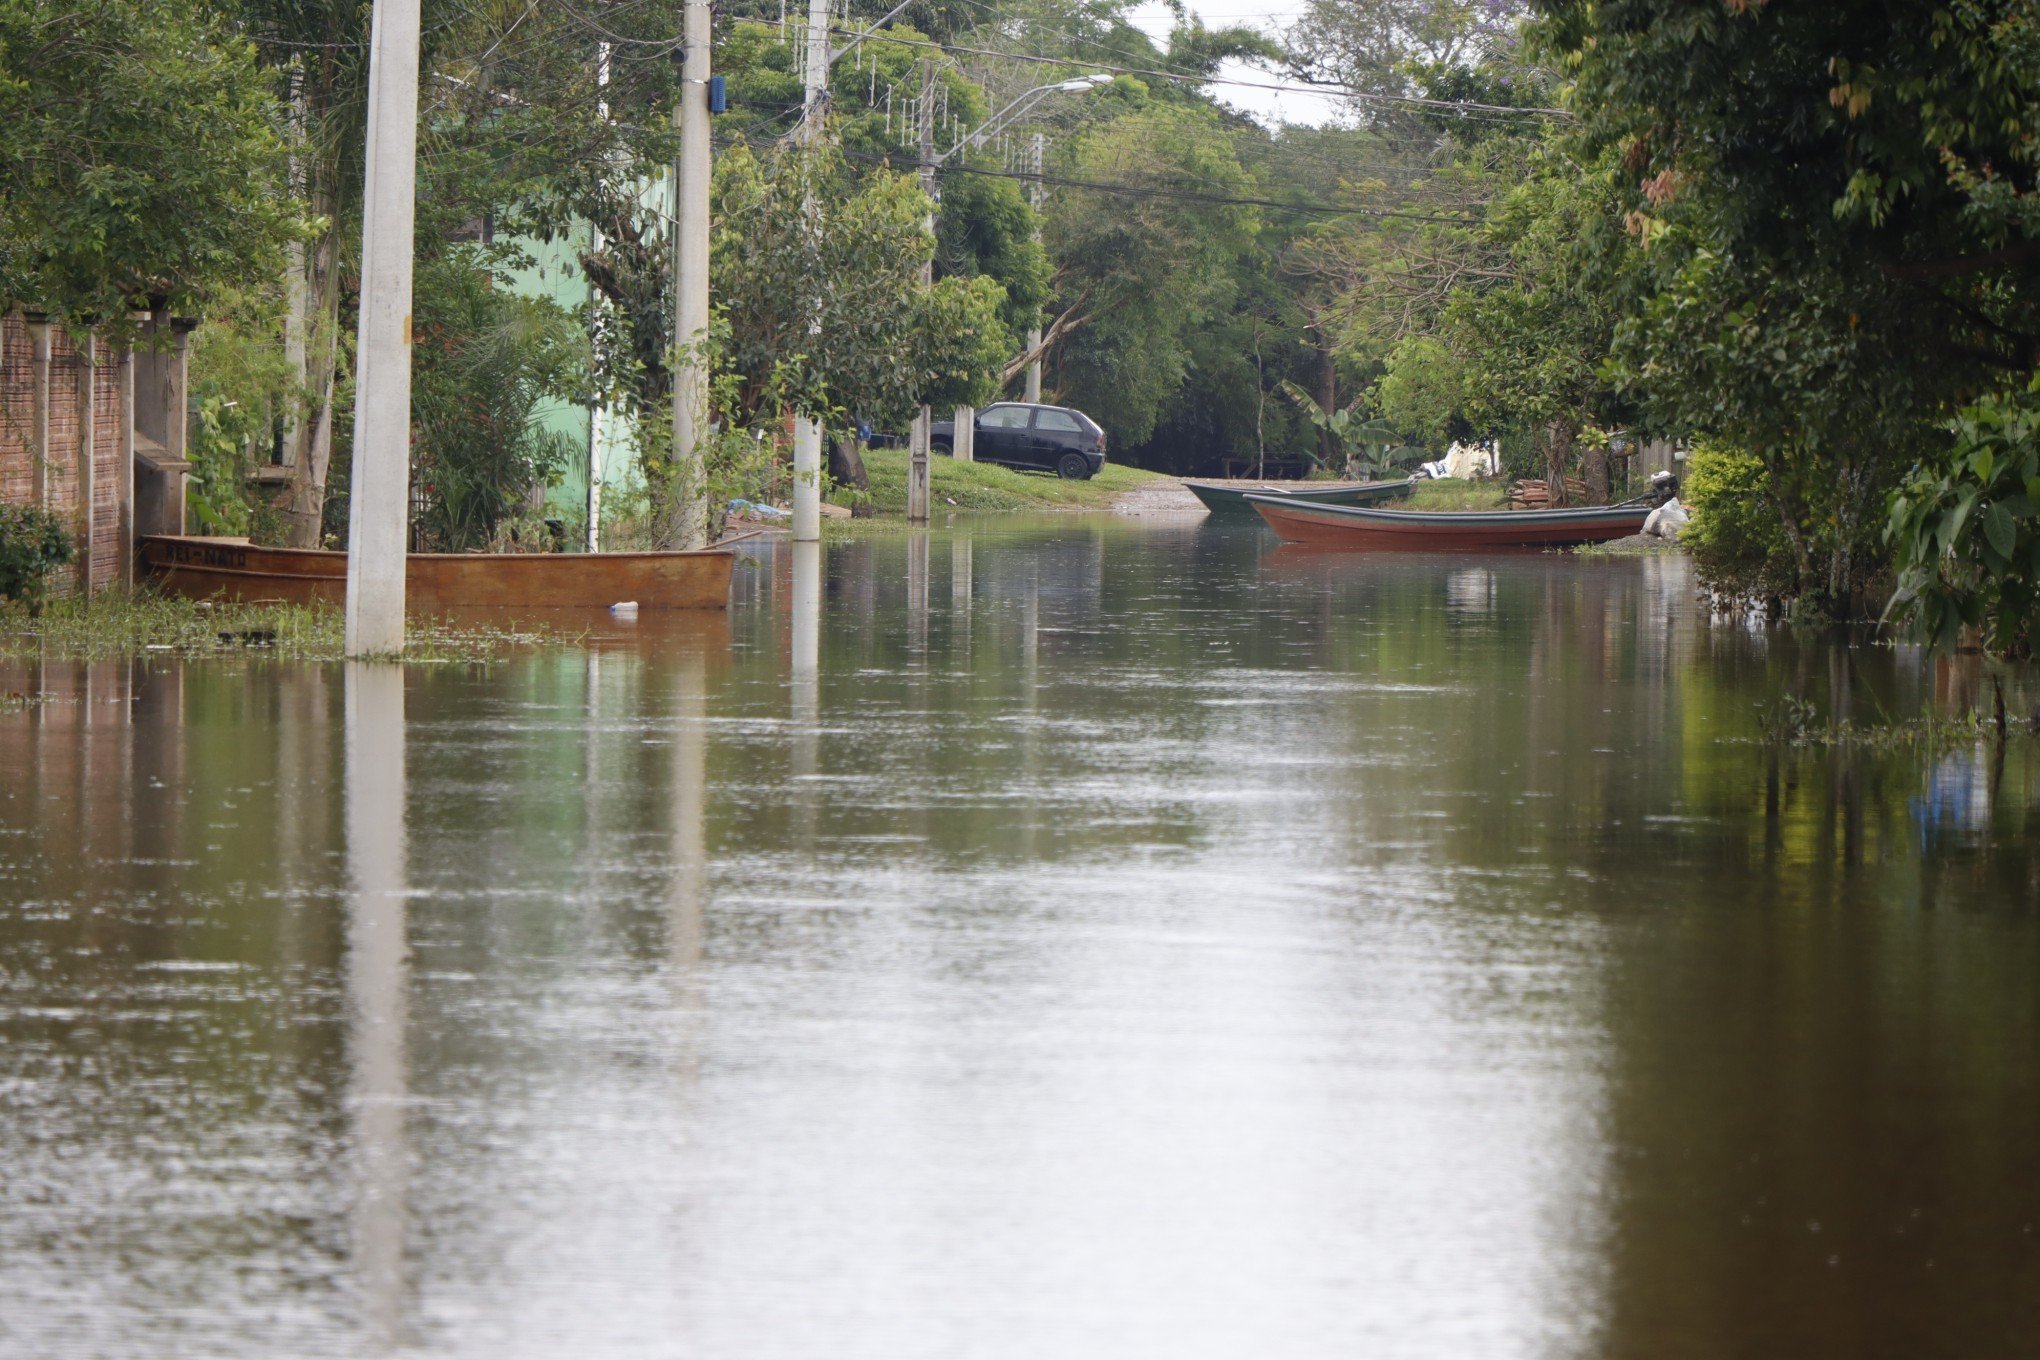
(1367, 445)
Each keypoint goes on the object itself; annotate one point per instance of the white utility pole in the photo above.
(918, 491)
(379, 510)
(690, 268)
(599, 313)
(1034, 331)
(807, 435)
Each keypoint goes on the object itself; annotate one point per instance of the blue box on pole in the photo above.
(718, 95)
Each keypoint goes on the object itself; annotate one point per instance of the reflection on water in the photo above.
(1169, 945)
(378, 984)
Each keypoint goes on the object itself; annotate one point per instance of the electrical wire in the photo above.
(1465, 106)
(1150, 191)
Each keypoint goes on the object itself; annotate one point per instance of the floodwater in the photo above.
(1069, 939)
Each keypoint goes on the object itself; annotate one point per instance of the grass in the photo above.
(1452, 493)
(1634, 546)
(110, 625)
(983, 486)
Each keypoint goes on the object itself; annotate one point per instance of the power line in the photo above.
(1150, 191)
(1407, 100)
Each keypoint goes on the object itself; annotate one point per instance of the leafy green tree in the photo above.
(1965, 525)
(1397, 46)
(145, 159)
(1838, 207)
(1735, 536)
(1525, 347)
(1142, 268)
(510, 147)
(826, 309)
(487, 361)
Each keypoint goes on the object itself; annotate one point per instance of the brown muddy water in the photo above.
(1087, 939)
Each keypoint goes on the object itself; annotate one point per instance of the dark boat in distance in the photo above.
(441, 583)
(1229, 500)
(1447, 530)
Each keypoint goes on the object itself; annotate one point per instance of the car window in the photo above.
(1057, 420)
(1005, 418)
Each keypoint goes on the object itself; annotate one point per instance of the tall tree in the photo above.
(1840, 209)
(145, 159)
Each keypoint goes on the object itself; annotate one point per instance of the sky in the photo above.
(1268, 106)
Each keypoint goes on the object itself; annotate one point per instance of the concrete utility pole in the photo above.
(598, 318)
(924, 421)
(807, 434)
(690, 268)
(1034, 331)
(378, 517)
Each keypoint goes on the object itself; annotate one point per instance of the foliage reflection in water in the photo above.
(1074, 938)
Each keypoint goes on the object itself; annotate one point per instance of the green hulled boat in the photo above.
(1229, 499)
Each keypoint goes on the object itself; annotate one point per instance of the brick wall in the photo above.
(16, 402)
(68, 381)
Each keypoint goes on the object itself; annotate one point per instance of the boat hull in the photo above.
(444, 583)
(1230, 502)
(1447, 530)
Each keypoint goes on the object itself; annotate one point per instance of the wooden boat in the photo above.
(443, 583)
(1230, 501)
(1432, 530)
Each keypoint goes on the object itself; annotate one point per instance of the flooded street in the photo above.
(1073, 938)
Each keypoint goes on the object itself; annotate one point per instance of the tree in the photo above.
(818, 277)
(509, 146)
(486, 362)
(145, 160)
(1965, 525)
(1524, 348)
(1837, 209)
(1395, 46)
(1143, 266)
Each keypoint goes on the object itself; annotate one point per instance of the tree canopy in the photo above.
(145, 159)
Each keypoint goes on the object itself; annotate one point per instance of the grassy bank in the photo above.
(981, 486)
(1450, 493)
(111, 625)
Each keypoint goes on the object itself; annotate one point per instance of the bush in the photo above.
(33, 543)
(1736, 537)
(1966, 527)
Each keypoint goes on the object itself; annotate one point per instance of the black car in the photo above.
(1053, 438)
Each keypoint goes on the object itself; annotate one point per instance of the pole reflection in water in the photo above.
(377, 983)
(805, 682)
(961, 588)
(917, 595)
(690, 813)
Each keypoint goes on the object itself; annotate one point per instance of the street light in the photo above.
(1021, 103)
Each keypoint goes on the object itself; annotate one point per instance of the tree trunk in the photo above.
(846, 466)
(1558, 443)
(304, 505)
(1594, 472)
(1328, 401)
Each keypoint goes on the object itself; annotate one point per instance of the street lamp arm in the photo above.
(1021, 103)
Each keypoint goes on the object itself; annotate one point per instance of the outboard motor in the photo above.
(1663, 487)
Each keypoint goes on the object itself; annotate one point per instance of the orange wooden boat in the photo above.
(1359, 526)
(444, 583)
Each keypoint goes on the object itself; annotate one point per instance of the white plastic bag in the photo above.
(1667, 521)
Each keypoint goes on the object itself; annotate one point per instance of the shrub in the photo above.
(1736, 537)
(1966, 527)
(33, 543)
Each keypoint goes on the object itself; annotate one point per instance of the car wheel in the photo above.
(1073, 466)
(940, 446)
